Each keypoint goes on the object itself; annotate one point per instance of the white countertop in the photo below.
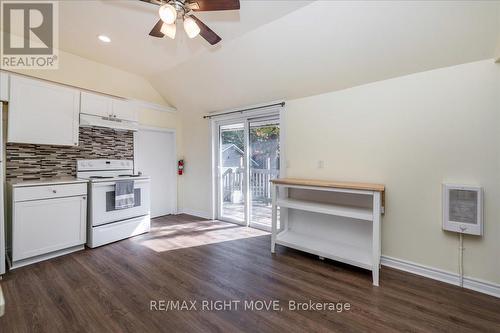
(49, 181)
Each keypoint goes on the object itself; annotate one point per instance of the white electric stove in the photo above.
(105, 223)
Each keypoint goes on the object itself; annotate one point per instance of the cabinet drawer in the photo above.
(49, 191)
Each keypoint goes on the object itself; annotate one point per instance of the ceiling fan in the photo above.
(172, 10)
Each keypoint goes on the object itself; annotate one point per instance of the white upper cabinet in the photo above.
(4, 86)
(95, 104)
(106, 106)
(126, 110)
(42, 113)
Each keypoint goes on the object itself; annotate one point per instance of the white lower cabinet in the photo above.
(49, 225)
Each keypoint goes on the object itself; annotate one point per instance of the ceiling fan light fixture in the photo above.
(104, 38)
(168, 13)
(192, 29)
(169, 30)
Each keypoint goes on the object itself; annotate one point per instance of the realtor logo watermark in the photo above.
(30, 35)
(273, 305)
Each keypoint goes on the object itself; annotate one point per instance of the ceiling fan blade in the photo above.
(153, 2)
(207, 33)
(209, 5)
(156, 31)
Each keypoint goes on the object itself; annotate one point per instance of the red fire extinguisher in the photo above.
(180, 167)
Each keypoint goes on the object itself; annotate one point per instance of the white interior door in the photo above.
(155, 156)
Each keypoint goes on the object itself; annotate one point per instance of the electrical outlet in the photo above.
(321, 164)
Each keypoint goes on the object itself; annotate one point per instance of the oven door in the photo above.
(102, 208)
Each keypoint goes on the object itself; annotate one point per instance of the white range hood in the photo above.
(87, 120)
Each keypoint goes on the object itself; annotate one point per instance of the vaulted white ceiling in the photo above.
(128, 23)
(283, 49)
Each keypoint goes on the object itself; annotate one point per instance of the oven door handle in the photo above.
(141, 181)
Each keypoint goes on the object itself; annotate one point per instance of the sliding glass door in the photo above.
(232, 150)
(248, 158)
(264, 152)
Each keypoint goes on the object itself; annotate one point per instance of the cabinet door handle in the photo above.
(54, 191)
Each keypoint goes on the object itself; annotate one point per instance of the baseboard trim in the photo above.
(475, 284)
(197, 213)
(28, 261)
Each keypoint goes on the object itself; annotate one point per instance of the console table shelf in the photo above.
(345, 253)
(343, 239)
(331, 209)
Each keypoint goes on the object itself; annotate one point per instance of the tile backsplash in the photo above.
(29, 162)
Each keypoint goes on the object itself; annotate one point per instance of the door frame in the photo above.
(244, 117)
(3, 231)
(174, 176)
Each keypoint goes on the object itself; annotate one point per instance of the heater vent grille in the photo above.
(462, 209)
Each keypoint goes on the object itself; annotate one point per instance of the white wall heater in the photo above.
(463, 209)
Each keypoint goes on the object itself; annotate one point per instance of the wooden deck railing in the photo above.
(260, 187)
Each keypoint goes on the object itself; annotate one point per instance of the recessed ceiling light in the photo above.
(104, 39)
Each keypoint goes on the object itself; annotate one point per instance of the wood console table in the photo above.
(345, 229)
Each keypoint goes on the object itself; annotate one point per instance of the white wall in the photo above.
(333, 45)
(195, 184)
(88, 74)
(410, 133)
(84, 73)
(497, 50)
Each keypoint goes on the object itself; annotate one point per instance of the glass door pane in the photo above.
(232, 173)
(264, 165)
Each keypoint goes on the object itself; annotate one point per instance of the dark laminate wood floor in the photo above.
(109, 289)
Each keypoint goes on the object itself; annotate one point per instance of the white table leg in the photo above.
(376, 243)
(2, 303)
(274, 228)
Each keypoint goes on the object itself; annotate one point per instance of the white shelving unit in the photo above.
(345, 232)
